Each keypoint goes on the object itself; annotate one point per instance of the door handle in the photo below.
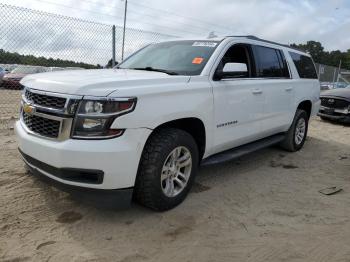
(288, 89)
(257, 91)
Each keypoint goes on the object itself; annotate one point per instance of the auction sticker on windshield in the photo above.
(205, 44)
(197, 60)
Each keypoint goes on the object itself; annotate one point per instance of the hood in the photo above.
(17, 76)
(338, 92)
(97, 82)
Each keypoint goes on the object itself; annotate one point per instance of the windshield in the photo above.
(28, 70)
(175, 57)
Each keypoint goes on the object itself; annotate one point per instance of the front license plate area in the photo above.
(329, 111)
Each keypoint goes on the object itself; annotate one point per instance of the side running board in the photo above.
(234, 153)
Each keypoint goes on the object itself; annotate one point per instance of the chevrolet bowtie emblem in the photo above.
(28, 109)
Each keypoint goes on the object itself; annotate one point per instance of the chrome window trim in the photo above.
(257, 78)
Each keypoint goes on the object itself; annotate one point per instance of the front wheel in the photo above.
(296, 135)
(167, 169)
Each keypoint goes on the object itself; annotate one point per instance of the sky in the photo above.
(289, 21)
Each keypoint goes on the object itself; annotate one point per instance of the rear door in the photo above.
(277, 85)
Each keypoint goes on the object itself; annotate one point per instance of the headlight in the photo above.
(95, 117)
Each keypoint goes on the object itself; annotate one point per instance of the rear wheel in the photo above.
(296, 135)
(167, 169)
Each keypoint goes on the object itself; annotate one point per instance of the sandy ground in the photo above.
(263, 207)
(9, 106)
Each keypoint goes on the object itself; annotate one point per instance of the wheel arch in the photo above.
(192, 125)
(305, 105)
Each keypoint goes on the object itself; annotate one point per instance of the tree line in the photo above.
(331, 58)
(16, 58)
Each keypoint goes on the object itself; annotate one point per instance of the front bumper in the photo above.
(340, 118)
(101, 198)
(341, 115)
(116, 158)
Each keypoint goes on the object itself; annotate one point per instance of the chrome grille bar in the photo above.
(48, 116)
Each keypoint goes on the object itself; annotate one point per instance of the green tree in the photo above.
(15, 58)
(332, 58)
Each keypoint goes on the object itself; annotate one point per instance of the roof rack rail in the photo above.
(253, 37)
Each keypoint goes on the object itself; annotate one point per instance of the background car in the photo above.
(341, 85)
(11, 80)
(335, 105)
(326, 85)
(8, 67)
(74, 68)
(331, 85)
(2, 73)
(54, 69)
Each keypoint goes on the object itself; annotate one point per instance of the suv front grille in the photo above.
(48, 114)
(45, 100)
(334, 103)
(42, 126)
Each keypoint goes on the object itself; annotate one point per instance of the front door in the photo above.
(238, 102)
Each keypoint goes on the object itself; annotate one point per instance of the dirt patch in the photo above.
(183, 227)
(275, 163)
(262, 209)
(198, 188)
(69, 217)
(290, 166)
(178, 231)
(47, 243)
(9, 107)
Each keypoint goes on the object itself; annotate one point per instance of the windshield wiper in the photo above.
(149, 68)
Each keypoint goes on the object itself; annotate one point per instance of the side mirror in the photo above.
(231, 70)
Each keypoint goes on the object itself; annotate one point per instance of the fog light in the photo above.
(93, 123)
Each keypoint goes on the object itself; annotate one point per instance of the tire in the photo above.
(291, 143)
(324, 118)
(151, 189)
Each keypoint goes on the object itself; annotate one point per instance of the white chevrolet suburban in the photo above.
(141, 130)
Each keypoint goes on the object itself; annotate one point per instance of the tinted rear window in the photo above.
(304, 65)
(270, 62)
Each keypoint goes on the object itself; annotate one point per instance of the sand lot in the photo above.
(9, 106)
(263, 207)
